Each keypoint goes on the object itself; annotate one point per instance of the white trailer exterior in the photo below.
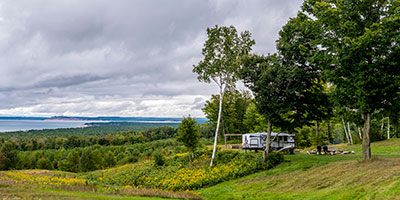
(256, 141)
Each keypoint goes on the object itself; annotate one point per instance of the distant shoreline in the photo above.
(106, 119)
(23, 124)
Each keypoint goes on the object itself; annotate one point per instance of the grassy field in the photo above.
(35, 192)
(322, 177)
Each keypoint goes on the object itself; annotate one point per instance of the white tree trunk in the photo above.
(349, 131)
(388, 132)
(221, 95)
(345, 131)
(359, 133)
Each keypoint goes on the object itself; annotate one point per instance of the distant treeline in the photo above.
(53, 141)
(93, 129)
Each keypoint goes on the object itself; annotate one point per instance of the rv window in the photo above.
(254, 142)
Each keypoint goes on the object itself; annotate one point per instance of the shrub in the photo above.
(44, 163)
(159, 158)
(128, 159)
(225, 156)
(273, 159)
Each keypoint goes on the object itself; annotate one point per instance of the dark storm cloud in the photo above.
(122, 57)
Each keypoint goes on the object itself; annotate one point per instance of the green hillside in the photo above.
(322, 177)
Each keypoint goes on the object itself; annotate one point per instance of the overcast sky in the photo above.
(119, 57)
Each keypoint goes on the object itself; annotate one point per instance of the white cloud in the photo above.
(127, 58)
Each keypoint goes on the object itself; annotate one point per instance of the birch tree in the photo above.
(349, 131)
(345, 131)
(388, 128)
(223, 52)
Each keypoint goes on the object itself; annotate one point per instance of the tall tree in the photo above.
(223, 52)
(297, 49)
(268, 80)
(360, 40)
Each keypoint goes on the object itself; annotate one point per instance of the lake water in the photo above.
(18, 125)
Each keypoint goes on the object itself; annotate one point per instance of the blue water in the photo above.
(22, 125)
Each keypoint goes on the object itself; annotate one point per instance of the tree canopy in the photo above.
(360, 39)
(234, 107)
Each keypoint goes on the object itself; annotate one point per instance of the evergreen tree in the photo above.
(71, 163)
(109, 159)
(188, 134)
(9, 155)
(86, 161)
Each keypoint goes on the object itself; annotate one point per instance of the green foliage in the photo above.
(234, 107)
(9, 158)
(109, 159)
(222, 54)
(304, 137)
(253, 121)
(274, 159)
(188, 134)
(70, 142)
(159, 158)
(359, 40)
(207, 130)
(71, 162)
(44, 163)
(1, 160)
(90, 160)
(297, 51)
(359, 50)
(268, 81)
(225, 156)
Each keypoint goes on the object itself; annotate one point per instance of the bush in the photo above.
(159, 158)
(225, 156)
(273, 159)
(128, 159)
(44, 163)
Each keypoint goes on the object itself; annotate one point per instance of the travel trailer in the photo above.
(256, 141)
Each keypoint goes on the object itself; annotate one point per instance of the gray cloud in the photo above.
(123, 57)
